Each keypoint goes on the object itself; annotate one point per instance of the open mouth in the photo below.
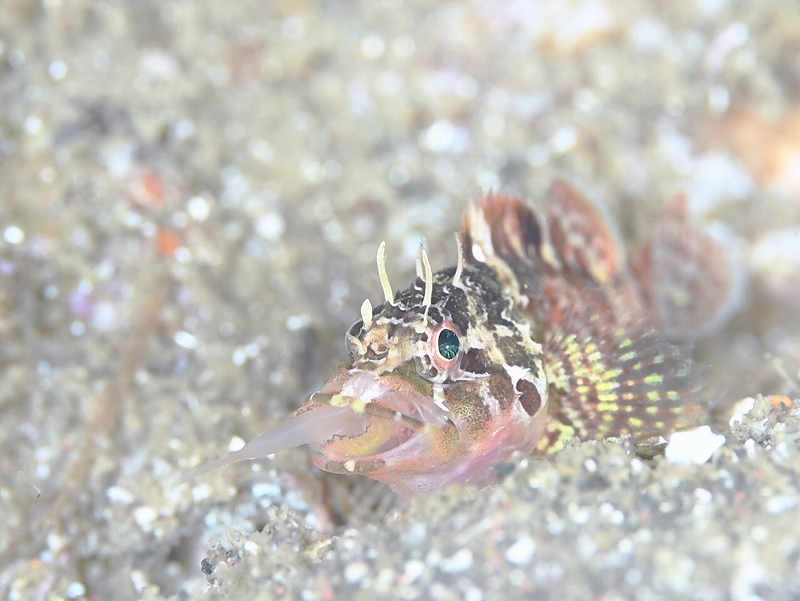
(393, 417)
(357, 416)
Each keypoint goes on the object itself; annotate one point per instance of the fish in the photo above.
(541, 333)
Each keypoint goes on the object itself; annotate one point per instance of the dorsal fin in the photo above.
(688, 277)
(501, 225)
(581, 234)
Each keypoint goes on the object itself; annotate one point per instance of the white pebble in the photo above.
(355, 572)
(57, 70)
(14, 235)
(693, 446)
(782, 504)
(185, 339)
(413, 569)
(522, 551)
(270, 226)
(75, 590)
(443, 136)
(145, 516)
(198, 208)
(461, 561)
(741, 409)
(201, 492)
(123, 496)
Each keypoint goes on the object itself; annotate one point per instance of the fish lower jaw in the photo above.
(412, 468)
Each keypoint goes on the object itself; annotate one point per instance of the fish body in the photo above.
(542, 332)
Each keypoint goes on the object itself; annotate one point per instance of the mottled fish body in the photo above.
(542, 332)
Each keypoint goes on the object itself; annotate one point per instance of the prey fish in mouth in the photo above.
(542, 332)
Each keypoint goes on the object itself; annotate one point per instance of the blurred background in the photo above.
(191, 196)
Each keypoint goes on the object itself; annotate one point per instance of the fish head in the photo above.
(444, 381)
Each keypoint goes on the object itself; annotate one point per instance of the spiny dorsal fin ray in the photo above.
(501, 225)
(581, 234)
(612, 380)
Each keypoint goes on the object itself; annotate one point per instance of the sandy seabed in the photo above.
(191, 195)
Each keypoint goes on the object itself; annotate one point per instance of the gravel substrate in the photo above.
(191, 196)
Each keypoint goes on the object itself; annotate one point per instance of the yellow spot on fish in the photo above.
(606, 386)
(610, 374)
(653, 379)
(350, 466)
(358, 405)
(338, 400)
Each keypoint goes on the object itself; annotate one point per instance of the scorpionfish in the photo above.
(541, 333)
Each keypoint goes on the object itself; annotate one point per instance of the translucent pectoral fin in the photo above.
(621, 380)
(313, 426)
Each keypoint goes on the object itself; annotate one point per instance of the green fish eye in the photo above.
(448, 344)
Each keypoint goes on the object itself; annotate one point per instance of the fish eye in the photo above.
(448, 344)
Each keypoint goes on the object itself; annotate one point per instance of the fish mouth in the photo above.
(391, 423)
(359, 423)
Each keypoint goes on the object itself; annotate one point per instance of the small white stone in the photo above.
(235, 444)
(564, 140)
(265, 489)
(14, 235)
(443, 136)
(139, 580)
(117, 494)
(185, 339)
(145, 516)
(55, 542)
(413, 569)
(201, 492)
(33, 124)
(57, 70)
(356, 572)
(270, 226)
(461, 561)
(198, 208)
(782, 504)
(693, 446)
(104, 316)
(522, 551)
(297, 322)
(75, 590)
(372, 47)
(741, 409)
